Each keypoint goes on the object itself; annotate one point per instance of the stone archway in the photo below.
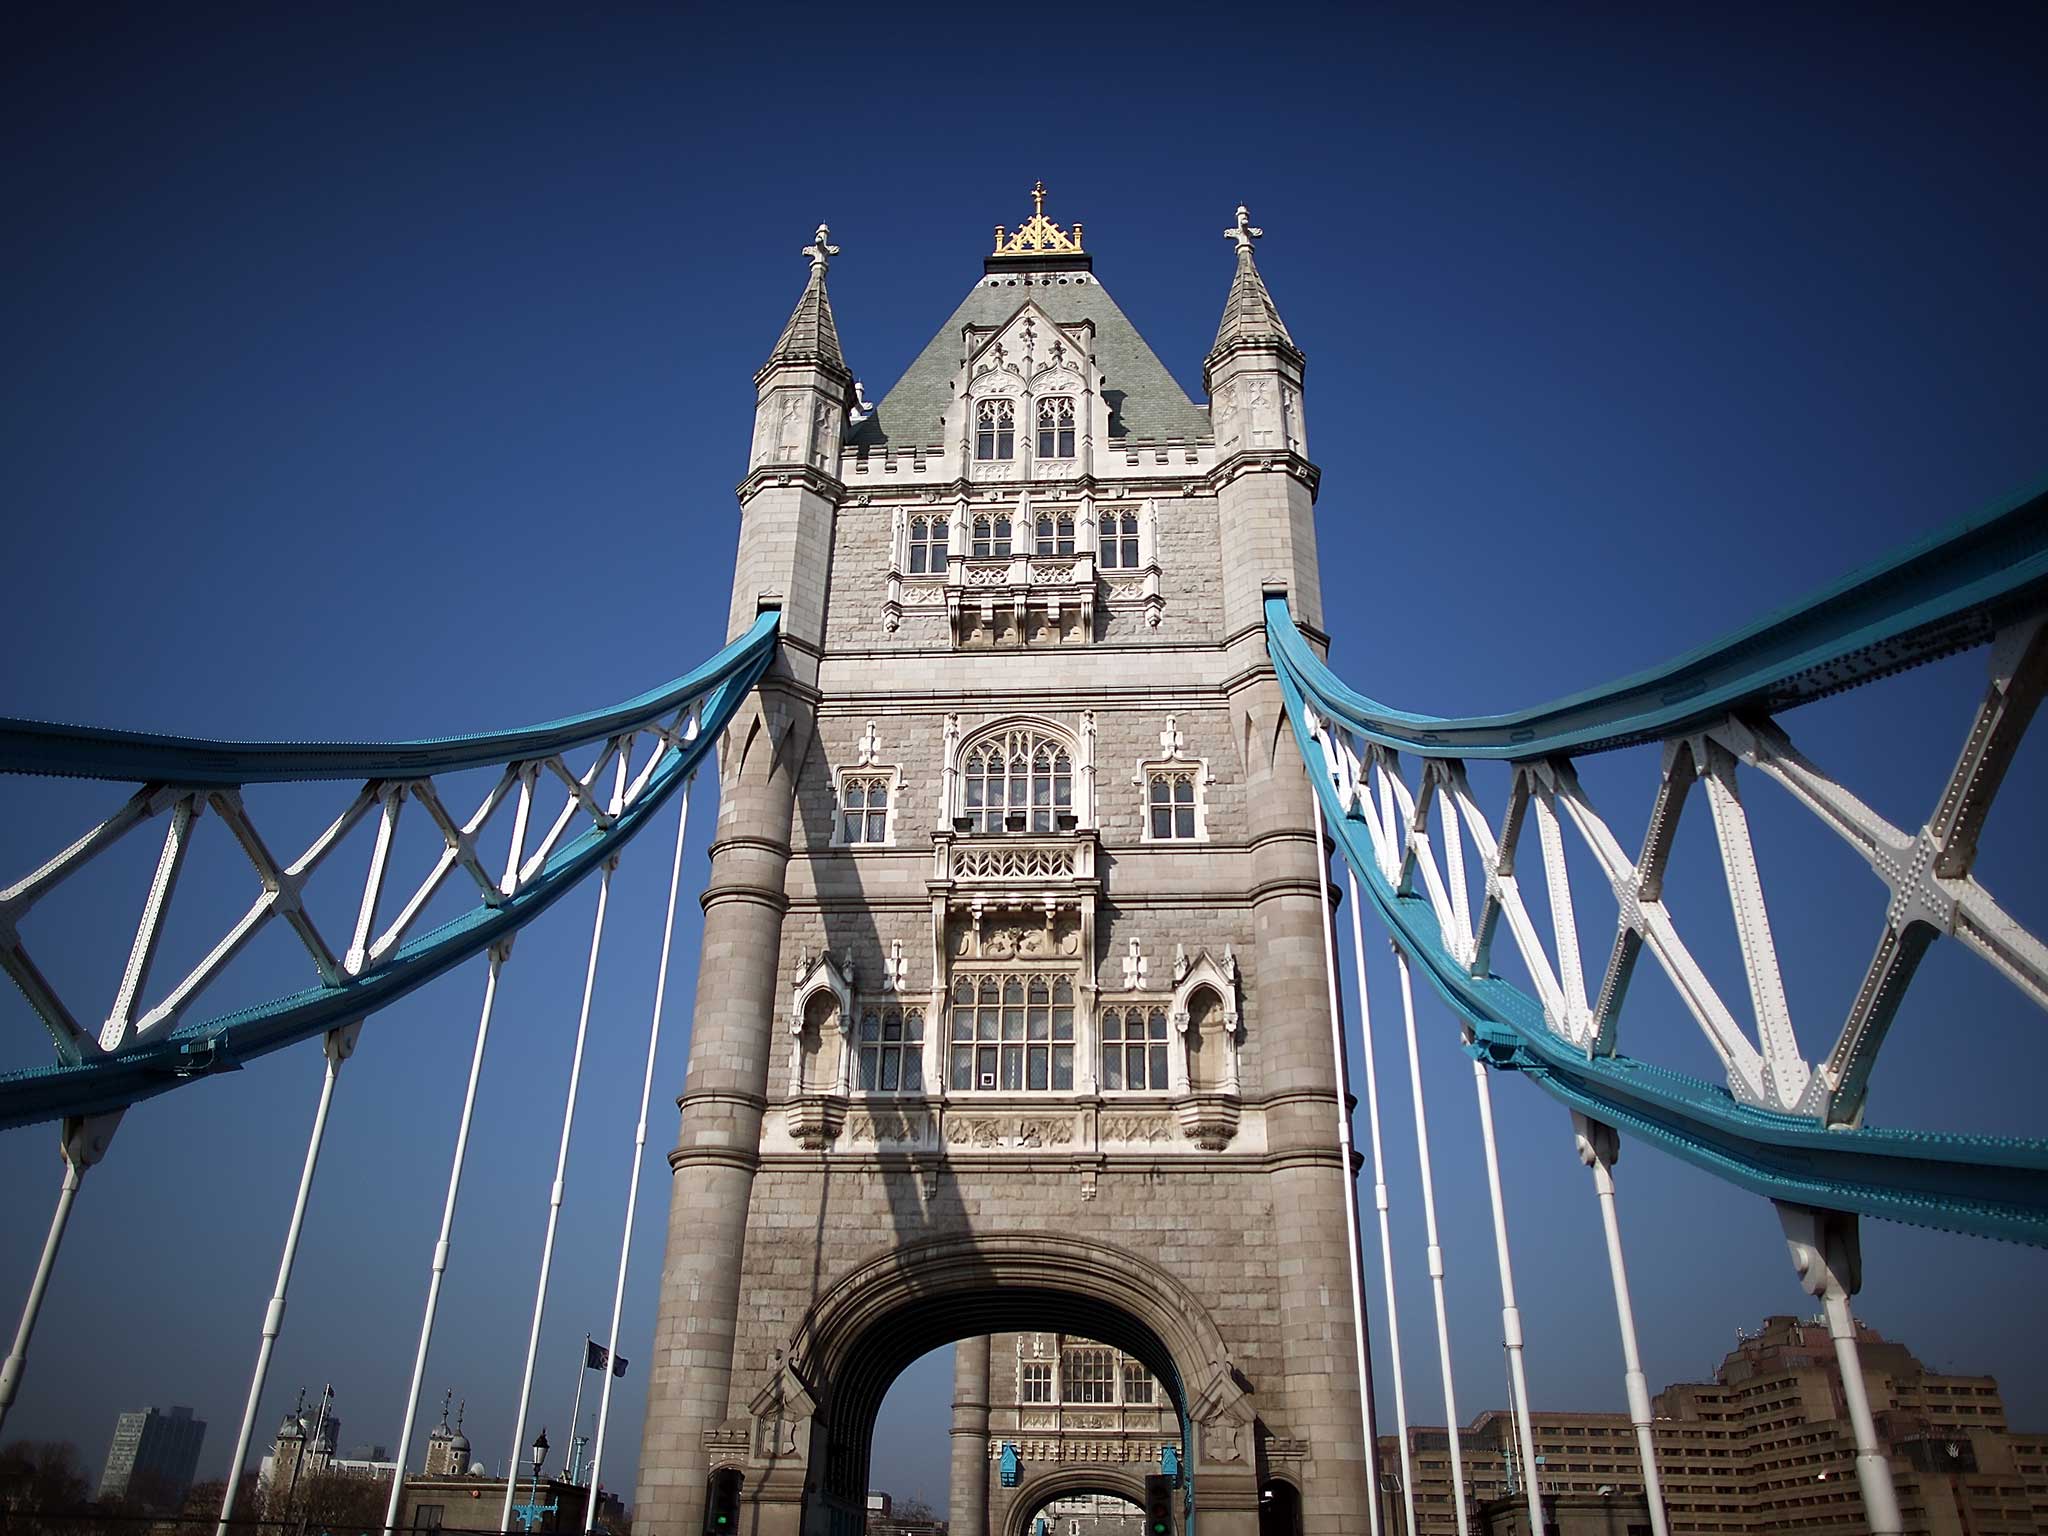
(1064, 1482)
(814, 1422)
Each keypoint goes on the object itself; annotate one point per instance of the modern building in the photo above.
(1765, 1446)
(154, 1457)
(1011, 1014)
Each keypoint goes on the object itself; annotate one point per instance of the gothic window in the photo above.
(928, 536)
(1018, 781)
(1056, 427)
(1137, 1383)
(995, 429)
(864, 809)
(1206, 1045)
(1119, 541)
(819, 1045)
(1134, 1049)
(1055, 533)
(992, 536)
(1171, 805)
(1012, 1033)
(1034, 1382)
(891, 1049)
(1089, 1375)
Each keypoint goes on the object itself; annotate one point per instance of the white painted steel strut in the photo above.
(1436, 1250)
(668, 927)
(555, 1192)
(1510, 1314)
(1379, 1195)
(1341, 1059)
(1598, 1148)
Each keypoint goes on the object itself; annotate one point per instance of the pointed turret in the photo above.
(811, 337)
(1254, 375)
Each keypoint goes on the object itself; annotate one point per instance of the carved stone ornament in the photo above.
(1223, 1411)
(782, 1411)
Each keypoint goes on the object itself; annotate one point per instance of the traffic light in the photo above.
(1158, 1505)
(722, 1510)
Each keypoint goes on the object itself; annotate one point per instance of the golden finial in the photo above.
(1038, 235)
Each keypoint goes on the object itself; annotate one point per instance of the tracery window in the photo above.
(1134, 1049)
(1015, 782)
(892, 1049)
(928, 539)
(1012, 1033)
(995, 429)
(1034, 1382)
(1056, 427)
(1089, 1375)
(1055, 533)
(1119, 541)
(992, 536)
(1137, 1383)
(1171, 805)
(864, 809)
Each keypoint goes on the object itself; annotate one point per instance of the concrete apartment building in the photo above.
(1765, 1446)
(1011, 1015)
(154, 1456)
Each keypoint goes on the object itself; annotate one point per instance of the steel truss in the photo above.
(142, 1051)
(1395, 790)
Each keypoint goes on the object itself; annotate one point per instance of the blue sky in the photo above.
(378, 373)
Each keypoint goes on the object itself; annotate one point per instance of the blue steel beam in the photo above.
(1943, 595)
(112, 1081)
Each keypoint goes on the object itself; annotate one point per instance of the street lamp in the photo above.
(540, 1454)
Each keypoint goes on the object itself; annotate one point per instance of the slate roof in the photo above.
(811, 335)
(1146, 404)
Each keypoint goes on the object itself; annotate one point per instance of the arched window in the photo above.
(819, 1044)
(1055, 533)
(1012, 1033)
(992, 536)
(1056, 427)
(928, 538)
(1134, 1049)
(1016, 781)
(863, 809)
(892, 1049)
(1206, 1045)
(1119, 541)
(1172, 805)
(995, 430)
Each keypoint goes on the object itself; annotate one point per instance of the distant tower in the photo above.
(441, 1459)
(153, 1457)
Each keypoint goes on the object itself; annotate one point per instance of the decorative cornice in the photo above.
(806, 476)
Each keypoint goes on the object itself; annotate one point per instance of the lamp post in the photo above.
(540, 1454)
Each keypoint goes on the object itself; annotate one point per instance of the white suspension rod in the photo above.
(1599, 1146)
(17, 1358)
(336, 1049)
(1436, 1251)
(1341, 1059)
(419, 1363)
(604, 1398)
(1873, 1470)
(1379, 1195)
(1510, 1314)
(547, 1248)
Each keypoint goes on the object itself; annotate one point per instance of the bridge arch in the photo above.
(1053, 1483)
(902, 1302)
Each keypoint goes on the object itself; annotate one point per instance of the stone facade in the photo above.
(1011, 1012)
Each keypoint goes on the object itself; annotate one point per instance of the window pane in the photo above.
(1037, 1078)
(1162, 821)
(870, 1026)
(1158, 1066)
(913, 1024)
(984, 1063)
(913, 1071)
(878, 822)
(1130, 554)
(1036, 1024)
(1134, 1065)
(1159, 791)
(1112, 1025)
(1063, 1023)
(867, 1069)
(1063, 1068)
(891, 1061)
(1013, 1069)
(1183, 822)
(1157, 1024)
(1112, 1066)
(917, 558)
(1013, 1023)
(1183, 791)
(892, 1026)
(963, 1067)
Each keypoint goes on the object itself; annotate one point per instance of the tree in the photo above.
(914, 1508)
(41, 1476)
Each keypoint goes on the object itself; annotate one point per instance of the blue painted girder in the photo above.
(162, 1062)
(1943, 595)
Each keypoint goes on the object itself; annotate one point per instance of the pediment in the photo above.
(1031, 348)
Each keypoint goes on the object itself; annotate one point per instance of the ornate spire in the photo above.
(1248, 314)
(812, 336)
(1038, 236)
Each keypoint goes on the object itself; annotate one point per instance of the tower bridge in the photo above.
(1031, 764)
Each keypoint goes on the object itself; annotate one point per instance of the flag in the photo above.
(596, 1357)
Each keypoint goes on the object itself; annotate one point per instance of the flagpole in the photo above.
(576, 1413)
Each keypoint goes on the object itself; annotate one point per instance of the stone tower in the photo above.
(1010, 1014)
